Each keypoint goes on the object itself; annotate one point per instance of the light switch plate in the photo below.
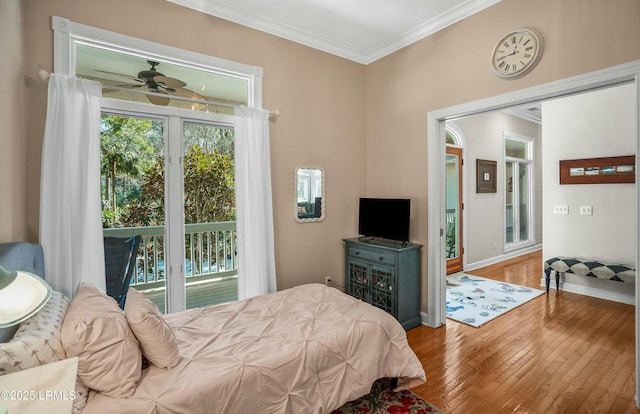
(586, 210)
(560, 209)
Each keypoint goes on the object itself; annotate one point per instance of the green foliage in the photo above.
(128, 146)
(209, 138)
(133, 172)
(209, 189)
(148, 210)
(209, 183)
(111, 218)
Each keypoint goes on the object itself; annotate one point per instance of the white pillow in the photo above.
(43, 389)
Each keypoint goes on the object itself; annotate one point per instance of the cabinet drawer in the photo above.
(387, 259)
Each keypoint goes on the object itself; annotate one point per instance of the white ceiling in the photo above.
(360, 30)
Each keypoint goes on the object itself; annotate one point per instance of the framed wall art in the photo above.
(486, 176)
(606, 170)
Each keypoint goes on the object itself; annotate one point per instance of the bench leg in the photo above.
(547, 278)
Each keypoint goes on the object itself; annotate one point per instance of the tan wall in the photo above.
(13, 159)
(452, 67)
(319, 96)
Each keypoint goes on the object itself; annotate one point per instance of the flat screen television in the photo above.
(387, 218)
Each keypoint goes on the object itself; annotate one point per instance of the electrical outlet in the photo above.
(586, 210)
(560, 209)
(327, 280)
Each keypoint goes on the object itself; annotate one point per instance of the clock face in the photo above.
(516, 53)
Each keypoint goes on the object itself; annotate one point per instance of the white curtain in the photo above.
(70, 209)
(254, 211)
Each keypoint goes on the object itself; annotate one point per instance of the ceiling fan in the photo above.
(154, 81)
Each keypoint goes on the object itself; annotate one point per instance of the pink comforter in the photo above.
(308, 349)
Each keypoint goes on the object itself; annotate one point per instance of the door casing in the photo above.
(436, 263)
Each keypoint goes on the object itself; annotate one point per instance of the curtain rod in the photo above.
(273, 115)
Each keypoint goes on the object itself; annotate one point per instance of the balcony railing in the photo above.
(211, 267)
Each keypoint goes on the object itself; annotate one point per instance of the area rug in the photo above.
(382, 400)
(475, 300)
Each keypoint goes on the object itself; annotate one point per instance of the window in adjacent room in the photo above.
(518, 162)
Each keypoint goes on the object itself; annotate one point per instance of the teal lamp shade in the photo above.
(22, 294)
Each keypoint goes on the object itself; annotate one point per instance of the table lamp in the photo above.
(22, 294)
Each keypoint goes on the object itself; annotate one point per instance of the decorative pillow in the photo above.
(157, 340)
(37, 340)
(43, 389)
(96, 331)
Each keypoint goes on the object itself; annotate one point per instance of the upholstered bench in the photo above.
(589, 268)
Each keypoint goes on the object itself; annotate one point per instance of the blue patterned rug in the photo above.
(475, 300)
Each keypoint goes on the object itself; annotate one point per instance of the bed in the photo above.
(308, 349)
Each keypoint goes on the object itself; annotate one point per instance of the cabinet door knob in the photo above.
(380, 258)
(357, 253)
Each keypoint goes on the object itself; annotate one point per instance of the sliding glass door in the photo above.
(209, 214)
(171, 181)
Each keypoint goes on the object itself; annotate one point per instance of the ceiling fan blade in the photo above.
(121, 74)
(169, 82)
(188, 93)
(128, 85)
(158, 100)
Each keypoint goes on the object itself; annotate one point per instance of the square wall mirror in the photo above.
(309, 200)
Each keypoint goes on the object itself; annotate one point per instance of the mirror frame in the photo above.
(322, 192)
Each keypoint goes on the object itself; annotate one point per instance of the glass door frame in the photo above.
(174, 184)
(455, 264)
(519, 163)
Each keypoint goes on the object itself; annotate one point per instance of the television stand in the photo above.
(385, 274)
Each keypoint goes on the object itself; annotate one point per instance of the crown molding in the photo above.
(275, 28)
(430, 27)
(271, 27)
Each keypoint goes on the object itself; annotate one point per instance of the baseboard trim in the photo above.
(503, 257)
(618, 294)
(424, 319)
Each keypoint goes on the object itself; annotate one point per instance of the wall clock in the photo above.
(516, 53)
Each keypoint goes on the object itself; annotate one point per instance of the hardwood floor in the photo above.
(561, 353)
